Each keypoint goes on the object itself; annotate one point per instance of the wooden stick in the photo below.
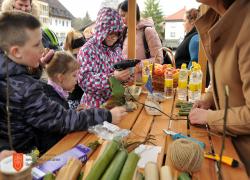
(132, 29)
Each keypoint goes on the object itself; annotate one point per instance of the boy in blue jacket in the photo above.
(26, 114)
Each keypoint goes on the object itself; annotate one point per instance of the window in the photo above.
(172, 34)
(43, 10)
(56, 22)
(62, 23)
(67, 23)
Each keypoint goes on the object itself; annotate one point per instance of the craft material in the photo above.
(179, 135)
(165, 173)
(151, 171)
(225, 159)
(185, 155)
(79, 152)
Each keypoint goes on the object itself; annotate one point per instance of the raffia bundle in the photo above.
(185, 155)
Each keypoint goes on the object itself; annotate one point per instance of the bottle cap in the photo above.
(184, 66)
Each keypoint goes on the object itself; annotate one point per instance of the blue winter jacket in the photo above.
(33, 114)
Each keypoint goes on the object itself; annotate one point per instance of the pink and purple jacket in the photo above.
(97, 59)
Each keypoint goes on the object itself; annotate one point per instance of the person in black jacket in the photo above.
(188, 50)
(26, 113)
(49, 38)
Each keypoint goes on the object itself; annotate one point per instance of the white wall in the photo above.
(174, 33)
(60, 26)
(43, 12)
(174, 30)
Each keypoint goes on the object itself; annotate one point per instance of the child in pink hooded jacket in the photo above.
(98, 56)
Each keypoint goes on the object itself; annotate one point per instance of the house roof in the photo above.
(56, 9)
(177, 16)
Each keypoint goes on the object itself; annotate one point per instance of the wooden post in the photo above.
(132, 29)
(202, 55)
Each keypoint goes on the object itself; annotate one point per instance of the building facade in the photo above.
(174, 29)
(56, 17)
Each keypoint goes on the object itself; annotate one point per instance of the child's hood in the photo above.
(13, 68)
(108, 21)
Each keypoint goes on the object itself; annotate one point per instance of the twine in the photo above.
(185, 155)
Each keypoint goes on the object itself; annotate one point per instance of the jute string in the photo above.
(185, 155)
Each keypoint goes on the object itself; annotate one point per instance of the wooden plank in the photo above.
(132, 29)
(128, 121)
(159, 123)
(208, 170)
(141, 127)
(202, 55)
(63, 145)
(229, 172)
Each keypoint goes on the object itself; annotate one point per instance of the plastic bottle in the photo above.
(182, 83)
(199, 79)
(193, 65)
(169, 83)
(147, 66)
(193, 85)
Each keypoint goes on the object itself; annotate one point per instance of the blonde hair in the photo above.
(8, 5)
(71, 35)
(89, 31)
(61, 63)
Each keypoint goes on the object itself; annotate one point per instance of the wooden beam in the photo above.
(202, 56)
(132, 29)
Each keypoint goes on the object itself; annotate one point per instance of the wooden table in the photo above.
(141, 124)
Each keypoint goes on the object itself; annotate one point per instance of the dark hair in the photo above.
(124, 7)
(13, 26)
(61, 63)
(192, 14)
(228, 3)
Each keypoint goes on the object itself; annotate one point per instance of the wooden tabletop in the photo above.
(141, 125)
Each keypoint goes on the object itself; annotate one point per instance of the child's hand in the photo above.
(202, 104)
(122, 75)
(138, 67)
(117, 114)
(47, 56)
(5, 153)
(198, 116)
(81, 107)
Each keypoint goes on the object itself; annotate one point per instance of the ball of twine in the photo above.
(185, 155)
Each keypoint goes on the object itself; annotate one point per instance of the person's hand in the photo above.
(5, 153)
(138, 68)
(81, 107)
(47, 56)
(117, 114)
(202, 104)
(198, 116)
(122, 75)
